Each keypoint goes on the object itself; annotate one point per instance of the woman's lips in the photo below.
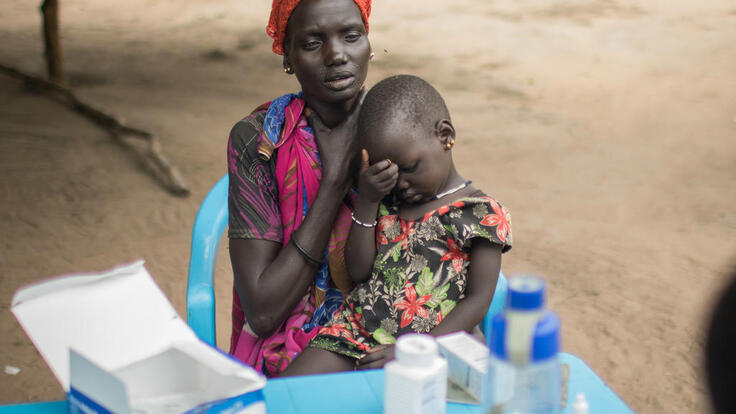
(340, 82)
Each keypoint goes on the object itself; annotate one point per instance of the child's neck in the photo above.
(454, 180)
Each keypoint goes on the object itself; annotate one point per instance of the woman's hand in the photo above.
(376, 357)
(376, 180)
(338, 146)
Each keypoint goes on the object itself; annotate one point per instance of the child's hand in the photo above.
(376, 180)
(376, 357)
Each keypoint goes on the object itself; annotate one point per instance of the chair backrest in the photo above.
(497, 304)
(209, 226)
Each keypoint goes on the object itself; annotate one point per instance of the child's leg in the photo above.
(318, 361)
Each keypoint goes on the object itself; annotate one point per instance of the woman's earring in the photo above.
(449, 145)
(288, 70)
(372, 55)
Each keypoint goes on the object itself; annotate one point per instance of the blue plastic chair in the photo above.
(209, 227)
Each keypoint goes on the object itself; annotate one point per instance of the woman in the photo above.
(290, 197)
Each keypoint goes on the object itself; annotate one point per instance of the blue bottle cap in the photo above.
(525, 293)
(546, 337)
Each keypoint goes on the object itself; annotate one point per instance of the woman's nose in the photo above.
(335, 53)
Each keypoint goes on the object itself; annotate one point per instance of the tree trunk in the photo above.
(50, 11)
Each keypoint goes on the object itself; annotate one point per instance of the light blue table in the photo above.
(362, 393)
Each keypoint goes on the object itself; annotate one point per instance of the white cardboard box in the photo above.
(467, 364)
(116, 344)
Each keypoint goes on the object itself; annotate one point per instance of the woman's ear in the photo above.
(288, 69)
(445, 132)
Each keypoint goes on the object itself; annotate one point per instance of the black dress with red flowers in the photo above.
(419, 274)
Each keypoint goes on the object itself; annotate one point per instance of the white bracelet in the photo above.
(360, 223)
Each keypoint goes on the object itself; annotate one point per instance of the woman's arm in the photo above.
(374, 183)
(271, 280)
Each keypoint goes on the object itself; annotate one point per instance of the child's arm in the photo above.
(374, 183)
(485, 264)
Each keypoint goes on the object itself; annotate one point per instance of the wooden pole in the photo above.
(50, 12)
(154, 159)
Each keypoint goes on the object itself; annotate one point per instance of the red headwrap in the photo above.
(281, 11)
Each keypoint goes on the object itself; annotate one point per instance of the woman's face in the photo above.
(327, 46)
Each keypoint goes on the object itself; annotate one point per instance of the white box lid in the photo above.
(112, 318)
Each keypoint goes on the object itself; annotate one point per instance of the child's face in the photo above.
(423, 161)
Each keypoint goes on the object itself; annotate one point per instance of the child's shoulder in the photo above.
(478, 215)
(477, 201)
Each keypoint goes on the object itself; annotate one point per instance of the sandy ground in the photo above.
(607, 127)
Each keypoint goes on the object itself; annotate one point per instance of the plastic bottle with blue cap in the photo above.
(524, 371)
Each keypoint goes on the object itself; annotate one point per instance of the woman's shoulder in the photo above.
(246, 131)
(246, 143)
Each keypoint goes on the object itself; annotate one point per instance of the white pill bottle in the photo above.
(416, 381)
(524, 370)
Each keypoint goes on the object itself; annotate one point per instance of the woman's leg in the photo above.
(318, 361)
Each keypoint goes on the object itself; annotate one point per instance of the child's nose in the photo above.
(402, 184)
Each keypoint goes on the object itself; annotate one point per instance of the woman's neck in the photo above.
(331, 114)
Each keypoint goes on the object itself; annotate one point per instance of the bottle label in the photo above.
(520, 330)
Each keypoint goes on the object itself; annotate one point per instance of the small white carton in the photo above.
(116, 345)
(467, 364)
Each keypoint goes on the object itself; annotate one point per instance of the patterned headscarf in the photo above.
(281, 11)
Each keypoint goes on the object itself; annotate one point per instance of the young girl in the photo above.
(410, 254)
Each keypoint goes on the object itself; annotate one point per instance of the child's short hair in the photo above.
(405, 98)
(720, 359)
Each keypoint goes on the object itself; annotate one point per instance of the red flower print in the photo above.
(407, 229)
(456, 255)
(411, 305)
(383, 223)
(363, 347)
(439, 317)
(335, 330)
(354, 320)
(444, 209)
(501, 219)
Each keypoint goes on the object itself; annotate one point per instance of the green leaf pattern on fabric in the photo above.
(438, 295)
(447, 306)
(382, 210)
(393, 279)
(383, 337)
(425, 284)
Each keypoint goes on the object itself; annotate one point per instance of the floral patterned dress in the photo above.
(419, 274)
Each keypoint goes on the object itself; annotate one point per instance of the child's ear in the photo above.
(445, 132)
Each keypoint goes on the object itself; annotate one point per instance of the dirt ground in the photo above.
(608, 127)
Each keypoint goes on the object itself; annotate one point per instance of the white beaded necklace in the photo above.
(452, 190)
